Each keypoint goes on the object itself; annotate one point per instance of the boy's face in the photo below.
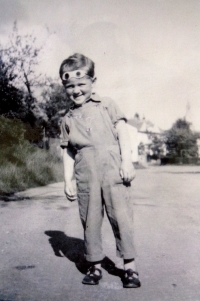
(79, 90)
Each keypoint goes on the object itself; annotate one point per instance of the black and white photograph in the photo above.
(99, 150)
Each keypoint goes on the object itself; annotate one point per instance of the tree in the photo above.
(157, 146)
(10, 96)
(21, 56)
(181, 141)
(18, 79)
(54, 106)
(24, 54)
(12, 132)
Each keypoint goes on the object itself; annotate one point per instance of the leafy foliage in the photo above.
(21, 55)
(11, 132)
(13, 102)
(21, 164)
(55, 105)
(11, 98)
(18, 79)
(18, 82)
(181, 141)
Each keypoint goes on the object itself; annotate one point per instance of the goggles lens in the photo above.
(75, 73)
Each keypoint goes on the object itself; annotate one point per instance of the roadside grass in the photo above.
(24, 166)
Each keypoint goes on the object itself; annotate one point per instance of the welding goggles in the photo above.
(76, 73)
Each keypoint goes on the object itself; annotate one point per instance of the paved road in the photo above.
(42, 248)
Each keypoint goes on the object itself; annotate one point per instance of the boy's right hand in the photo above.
(70, 191)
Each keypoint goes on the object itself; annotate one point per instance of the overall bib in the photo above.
(91, 132)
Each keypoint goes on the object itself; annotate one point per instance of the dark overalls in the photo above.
(90, 131)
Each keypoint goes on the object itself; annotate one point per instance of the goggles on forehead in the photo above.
(75, 73)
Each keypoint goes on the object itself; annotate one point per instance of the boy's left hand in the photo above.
(127, 171)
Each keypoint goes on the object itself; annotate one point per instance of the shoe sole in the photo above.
(131, 286)
(89, 283)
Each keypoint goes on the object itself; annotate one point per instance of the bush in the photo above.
(180, 161)
(22, 165)
(11, 132)
(181, 141)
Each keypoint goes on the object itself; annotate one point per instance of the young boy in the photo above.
(97, 167)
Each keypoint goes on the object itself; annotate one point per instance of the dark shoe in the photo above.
(91, 278)
(129, 281)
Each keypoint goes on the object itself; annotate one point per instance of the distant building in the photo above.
(140, 132)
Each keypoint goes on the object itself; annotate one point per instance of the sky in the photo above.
(146, 52)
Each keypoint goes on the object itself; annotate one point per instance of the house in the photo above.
(141, 132)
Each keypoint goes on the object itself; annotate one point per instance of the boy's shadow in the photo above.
(73, 249)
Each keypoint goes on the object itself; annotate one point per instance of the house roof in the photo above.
(144, 126)
(135, 123)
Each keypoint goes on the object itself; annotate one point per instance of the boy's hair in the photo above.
(78, 61)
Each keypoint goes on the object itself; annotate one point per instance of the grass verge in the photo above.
(24, 166)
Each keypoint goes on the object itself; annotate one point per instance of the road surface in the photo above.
(41, 243)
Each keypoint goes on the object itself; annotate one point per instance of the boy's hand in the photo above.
(127, 171)
(70, 191)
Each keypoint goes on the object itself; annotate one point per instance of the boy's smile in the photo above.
(79, 90)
